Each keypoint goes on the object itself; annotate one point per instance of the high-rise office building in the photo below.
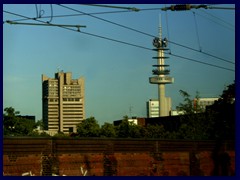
(62, 102)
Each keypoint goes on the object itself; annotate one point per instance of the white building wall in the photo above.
(153, 107)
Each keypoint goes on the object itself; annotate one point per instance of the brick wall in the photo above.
(116, 157)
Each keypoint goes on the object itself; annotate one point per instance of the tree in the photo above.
(224, 114)
(15, 125)
(194, 124)
(123, 129)
(127, 129)
(88, 128)
(135, 131)
(155, 131)
(9, 120)
(108, 130)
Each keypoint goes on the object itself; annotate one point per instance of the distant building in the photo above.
(153, 107)
(134, 120)
(62, 102)
(32, 118)
(176, 113)
(204, 102)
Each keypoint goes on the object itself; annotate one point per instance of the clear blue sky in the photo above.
(116, 74)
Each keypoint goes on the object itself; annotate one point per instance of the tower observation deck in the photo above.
(161, 71)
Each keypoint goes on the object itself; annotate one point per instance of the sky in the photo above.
(116, 74)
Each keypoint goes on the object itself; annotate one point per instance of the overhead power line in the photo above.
(81, 14)
(132, 29)
(118, 7)
(105, 20)
(193, 60)
(217, 20)
(47, 24)
(123, 42)
(201, 52)
(147, 34)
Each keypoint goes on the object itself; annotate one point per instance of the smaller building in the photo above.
(135, 120)
(204, 102)
(32, 118)
(153, 107)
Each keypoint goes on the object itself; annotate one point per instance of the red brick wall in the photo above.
(113, 157)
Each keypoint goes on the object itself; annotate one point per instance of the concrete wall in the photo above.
(116, 157)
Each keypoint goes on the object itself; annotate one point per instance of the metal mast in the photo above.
(161, 71)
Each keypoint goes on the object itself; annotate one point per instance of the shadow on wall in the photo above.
(222, 161)
(110, 165)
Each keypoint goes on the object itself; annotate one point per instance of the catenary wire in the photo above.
(196, 27)
(229, 27)
(223, 21)
(202, 52)
(168, 33)
(81, 14)
(135, 30)
(193, 60)
(105, 20)
(208, 54)
(123, 42)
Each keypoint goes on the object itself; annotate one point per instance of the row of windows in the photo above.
(75, 105)
(72, 99)
(205, 103)
(52, 100)
(72, 110)
(73, 117)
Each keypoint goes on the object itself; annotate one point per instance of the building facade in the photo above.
(204, 102)
(153, 107)
(63, 105)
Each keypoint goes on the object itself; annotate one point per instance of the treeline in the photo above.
(217, 122)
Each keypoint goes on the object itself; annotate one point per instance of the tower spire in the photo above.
(160, 27)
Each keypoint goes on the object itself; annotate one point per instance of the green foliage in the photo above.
(155, 131)
(88, 128)
(224, 114)
(189, 106)
(128, 129)
(61, 135)
(123, 129)
(194, 124)
(108, 130)
(16, 126)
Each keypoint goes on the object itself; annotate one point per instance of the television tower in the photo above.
(161, 71)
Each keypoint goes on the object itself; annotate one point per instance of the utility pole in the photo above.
(161, 79)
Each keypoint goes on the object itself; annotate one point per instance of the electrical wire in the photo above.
(123, 42)
(225, 22)
(111, 6)
(226, 25)
(193, 60)
(36, 10)
(51, 18)
(200, 49)
(219, 58)
(168, 33)
(105, 20)
(135, 30)
(208, 54)
(81, 14)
